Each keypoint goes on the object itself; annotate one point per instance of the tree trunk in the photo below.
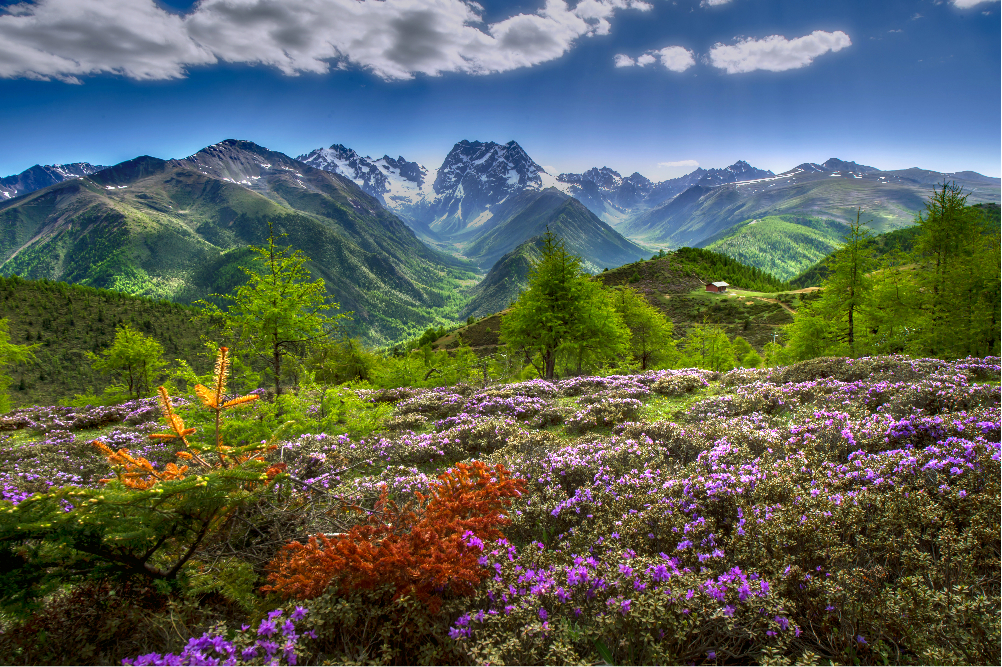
(276, 364)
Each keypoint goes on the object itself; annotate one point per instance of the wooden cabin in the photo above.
(717, 287)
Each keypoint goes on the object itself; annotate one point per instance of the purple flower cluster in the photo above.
(275, 642)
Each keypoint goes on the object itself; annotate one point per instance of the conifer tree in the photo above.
(10, 353)
(562, 312)
(706, 346)
(279, 311)
(651, 342)
(833, 324)
(135, 357)
(958, 278)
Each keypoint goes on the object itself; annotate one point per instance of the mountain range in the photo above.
(401, 244)
(178, 229)
(38, 177)
(456, 201)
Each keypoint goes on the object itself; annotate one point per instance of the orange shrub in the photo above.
(421, 552)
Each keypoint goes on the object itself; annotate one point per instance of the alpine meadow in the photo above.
(724, 400)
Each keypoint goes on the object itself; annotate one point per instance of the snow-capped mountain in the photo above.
(477, 176)
(834, 166)
(615, 199)
(38, 177)
(605, 192)
(474, 178)
(394, 182)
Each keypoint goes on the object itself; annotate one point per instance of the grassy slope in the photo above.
(504, 282)
(899, 240)
(782, 245)
(533, 213)
(67, 321)
(892, 205)
(674, 283)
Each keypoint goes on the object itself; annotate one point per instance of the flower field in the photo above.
(838, 510)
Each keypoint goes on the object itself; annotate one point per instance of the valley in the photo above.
(404, 246)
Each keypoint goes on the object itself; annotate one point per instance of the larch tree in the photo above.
(279, 311)
(137, 360)
(10, 353)
(957, 251)
(651, 342)
(562, 312)
(707, 346)
(834, 323)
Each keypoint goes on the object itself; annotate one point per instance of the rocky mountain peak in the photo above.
(39, 176)
(836, 165)
(487, 167)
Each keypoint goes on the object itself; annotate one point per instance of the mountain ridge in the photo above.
(39, 176)
(147, 226)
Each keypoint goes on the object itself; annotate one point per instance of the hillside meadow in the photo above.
(836, 511)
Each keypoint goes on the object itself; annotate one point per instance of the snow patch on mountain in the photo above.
(394, 182)
(38, 177)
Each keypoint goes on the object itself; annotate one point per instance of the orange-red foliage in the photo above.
(421, 553)
(136, 472)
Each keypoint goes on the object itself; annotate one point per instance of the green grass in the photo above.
(781, 245)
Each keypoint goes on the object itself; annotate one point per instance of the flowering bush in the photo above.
(604, 412)
(274, 642)
(421, 553)
(843, 511)
(436, 404)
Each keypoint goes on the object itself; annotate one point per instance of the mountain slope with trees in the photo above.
(531, 213)
(177, 229)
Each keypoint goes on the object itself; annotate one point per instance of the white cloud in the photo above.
(394, 39)
(776, 53)
(967, 4)
(713, 3)
(65, 39)
(680, 163)
(675, 58)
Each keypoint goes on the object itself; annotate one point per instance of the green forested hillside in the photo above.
(899, 240)
(783, 245)
(714, 266)
(505, 281)
(533, 213)
(178, 230)
(65, 322)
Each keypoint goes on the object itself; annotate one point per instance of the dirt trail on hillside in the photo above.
(783, 305)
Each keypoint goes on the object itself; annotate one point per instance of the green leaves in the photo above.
(651, 342)
(939, 299)
(563, 313)
(116, 531)
(9, 354)
(135, 358)
(279, 310)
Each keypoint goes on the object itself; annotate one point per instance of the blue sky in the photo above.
(657, 87)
